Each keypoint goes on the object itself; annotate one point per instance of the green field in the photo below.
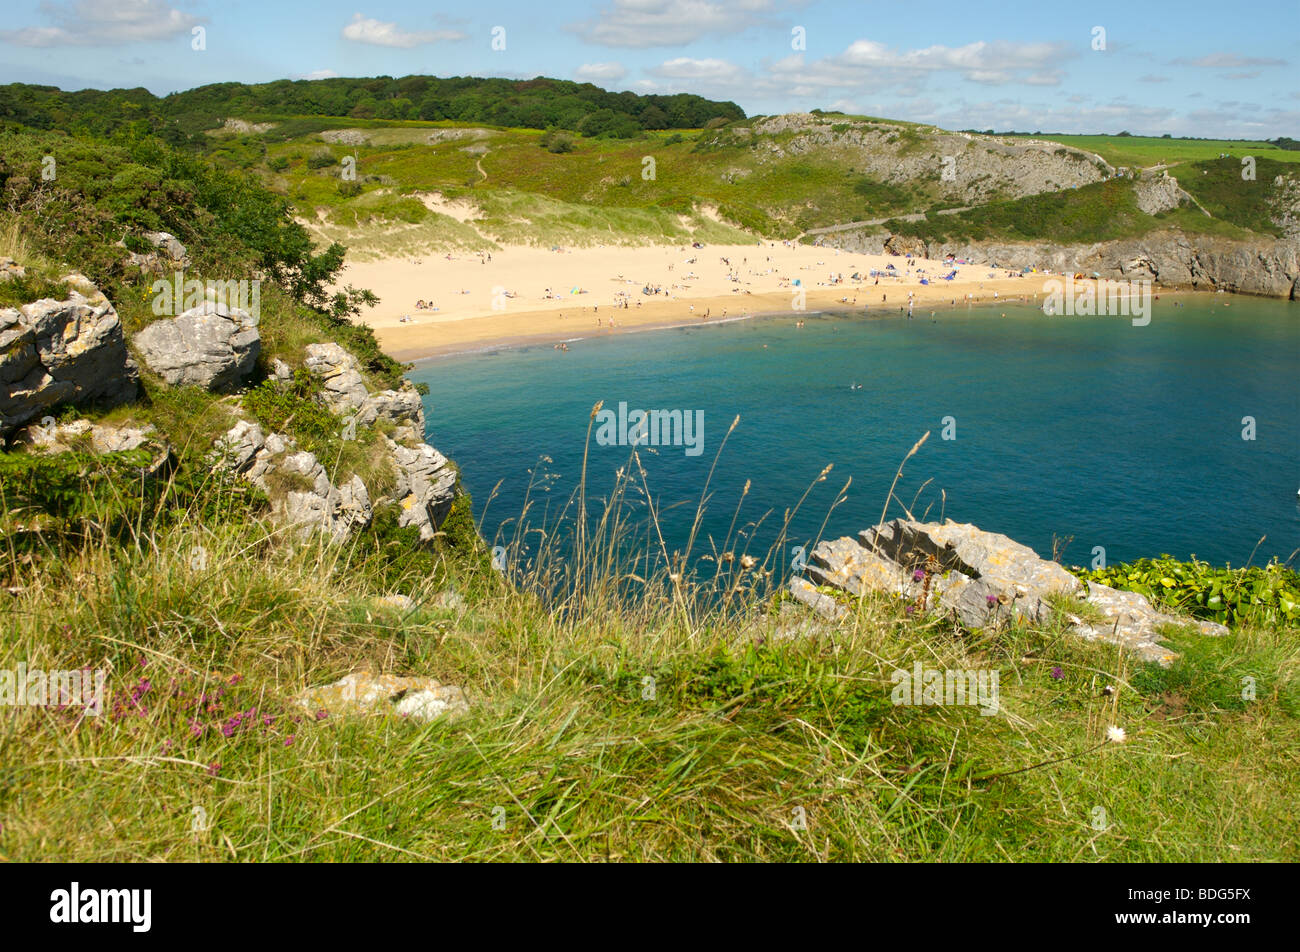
(1146, 151)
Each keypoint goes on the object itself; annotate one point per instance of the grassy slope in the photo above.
(599, 186)
(579, 760)
(597, 193)
(1146, 151)
(1108, 210)
(737, 737)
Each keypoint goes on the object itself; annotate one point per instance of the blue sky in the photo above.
(1190, 68)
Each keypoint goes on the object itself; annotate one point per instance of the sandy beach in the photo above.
(527, 295)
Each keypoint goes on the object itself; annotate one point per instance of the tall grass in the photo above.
(628, 703)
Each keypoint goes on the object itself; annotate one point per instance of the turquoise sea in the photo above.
(1074, 432)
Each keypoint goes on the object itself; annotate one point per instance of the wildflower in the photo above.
(991, 599)
(213, 768)
(236, 678)
(1057, 674)
(268, 720)
(1115, 734)
(747, 561)
(918, 575)
(288, 741)
(321, 715)
(909, 609)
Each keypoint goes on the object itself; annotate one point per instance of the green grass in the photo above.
(1098, 212)
(608, 725)
(1145, 151)
(601, 179)
(1246, 203)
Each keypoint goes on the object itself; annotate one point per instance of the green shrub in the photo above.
(1265, 596)
(295, 408)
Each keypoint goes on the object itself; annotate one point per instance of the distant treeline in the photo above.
(532, 104)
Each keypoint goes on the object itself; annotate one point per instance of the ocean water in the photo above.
(1066, 433)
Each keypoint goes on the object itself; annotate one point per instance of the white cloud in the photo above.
(600, 72)
(317, 74)
(104, 23)
(711, 71)
(378, 33)
(1228, 61)
(1152, 78)
(873, 65)
(647, 23)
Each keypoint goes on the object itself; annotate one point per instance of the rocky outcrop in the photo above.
(1169, 259)
(1159, 193)
(210, 346)
(297, 484)
(970, 168)
(168, 254)
(426, 487)
(86, 437)
(345, 388)
(79, 434)
(904, 245)
(421, 699)
(983, 579)
(347, 396)
(62, 352)
(10, 270)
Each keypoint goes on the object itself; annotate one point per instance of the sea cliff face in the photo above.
(1170, 259)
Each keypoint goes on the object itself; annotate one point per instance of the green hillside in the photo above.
(689, 712)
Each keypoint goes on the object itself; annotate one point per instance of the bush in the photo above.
(295, 408)
(558, 142)
(1265, 596)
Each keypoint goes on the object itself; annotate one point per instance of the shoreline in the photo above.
(484, 344)
(459, 303)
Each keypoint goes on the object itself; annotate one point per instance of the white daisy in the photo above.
(1116, 734)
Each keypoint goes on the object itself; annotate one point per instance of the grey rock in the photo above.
(169, 255)
(1169, 259)
(78, 433)
(280, 370)
(1162, 193)
(319, 506)
(210, 346)
(983, 578)
(426, 486)
(240, 445)
(62, 352)
(11, 269)
(168, 245)
(421, 699)
(345, 389)
(402, 407)
(805, 592)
